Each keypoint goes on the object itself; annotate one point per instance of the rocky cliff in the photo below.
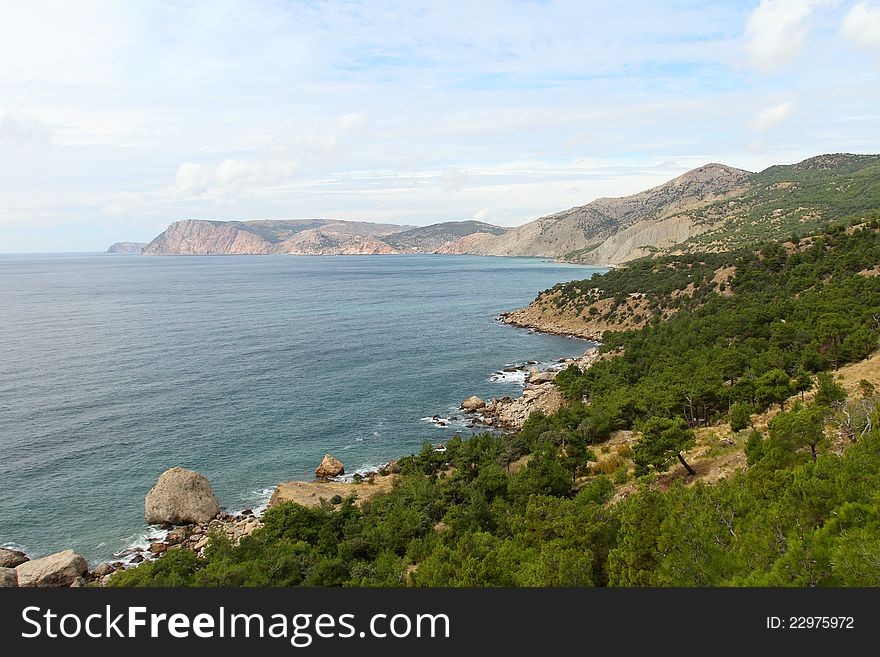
(309, 237)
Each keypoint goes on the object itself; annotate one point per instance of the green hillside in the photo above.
(786, 201)
(627, 485)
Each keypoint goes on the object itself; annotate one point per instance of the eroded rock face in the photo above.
(181, 497)
(11, 558)
(330, 467)
(59, 569)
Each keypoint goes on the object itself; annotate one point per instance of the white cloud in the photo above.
(776, 31)
(232, 176)
(192, 179)
(236, 173)
(862, 26)
(413, 111)
(22, 135)
(772, 116)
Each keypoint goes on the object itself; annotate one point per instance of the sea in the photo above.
(247, 369)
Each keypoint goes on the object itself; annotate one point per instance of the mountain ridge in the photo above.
(714, 207)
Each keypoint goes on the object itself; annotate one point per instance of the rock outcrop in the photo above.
(11, 558)
(61, 569)
(181, 497)
(472, 404)
(330, 467)
(537, 378)
(311, 493)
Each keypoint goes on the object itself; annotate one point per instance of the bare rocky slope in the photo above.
(308, 237)
(618, 229)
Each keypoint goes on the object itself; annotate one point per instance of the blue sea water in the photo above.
(248, 369)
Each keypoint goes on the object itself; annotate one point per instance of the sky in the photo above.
(117, 119)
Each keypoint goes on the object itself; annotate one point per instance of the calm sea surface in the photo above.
(247, 369)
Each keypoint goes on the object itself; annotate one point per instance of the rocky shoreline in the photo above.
(542, 321)
(183, 505)
(538, 395)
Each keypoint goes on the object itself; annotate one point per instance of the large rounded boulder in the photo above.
(181, 497)
(59, 569)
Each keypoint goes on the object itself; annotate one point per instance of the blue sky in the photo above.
(119, 118)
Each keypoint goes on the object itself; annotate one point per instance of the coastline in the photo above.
(496, 414)
(523, 318)
(506, 413)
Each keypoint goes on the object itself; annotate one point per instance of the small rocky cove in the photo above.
(182, 503)
(509, 413)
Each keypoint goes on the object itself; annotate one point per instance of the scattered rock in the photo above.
(60, 569)
(247, 512)
(472, 403)
(101, 570)
(181, 497)
(78, 582)
(8, 578)
(138, 558)
(177, 535)
(539, 378)
(202, 544)
(11, 558)
(330, 467)
(158, 548)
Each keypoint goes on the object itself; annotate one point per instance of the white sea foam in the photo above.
(447, 422)
(518, 377)
(10, 545)
(363, 469)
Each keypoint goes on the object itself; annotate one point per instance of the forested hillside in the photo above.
(789, 201)
(619, 488)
